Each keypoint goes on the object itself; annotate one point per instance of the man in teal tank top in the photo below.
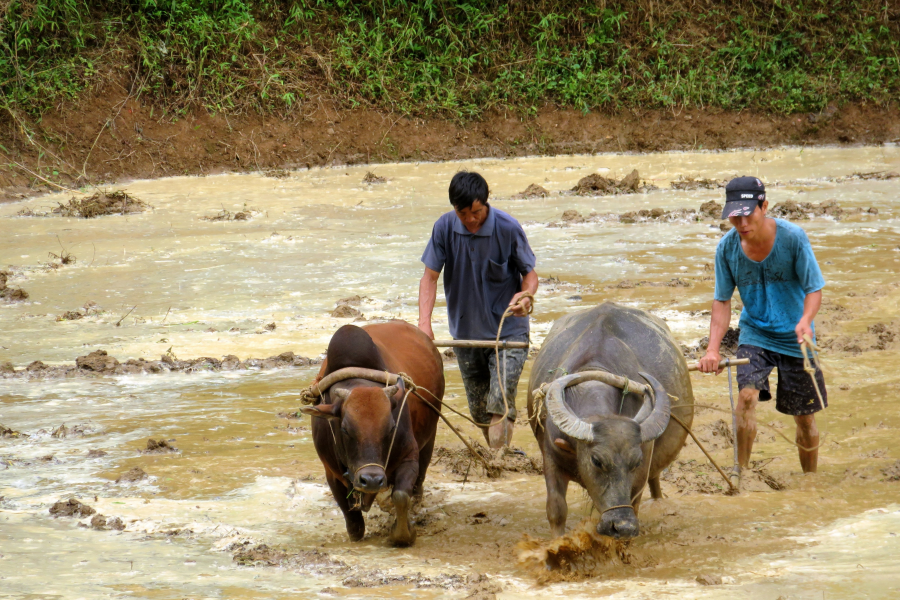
(771, 263)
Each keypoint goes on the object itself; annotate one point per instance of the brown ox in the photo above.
(357, 419)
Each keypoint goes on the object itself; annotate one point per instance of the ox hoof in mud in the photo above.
(403, 533)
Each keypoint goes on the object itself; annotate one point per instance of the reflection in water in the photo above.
(243, 474)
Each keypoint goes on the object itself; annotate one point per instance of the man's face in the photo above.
(751, 225)
(474, 216)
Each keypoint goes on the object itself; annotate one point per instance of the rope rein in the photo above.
(510, 311)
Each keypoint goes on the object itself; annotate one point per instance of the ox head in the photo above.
(608, 452)
(363, 418)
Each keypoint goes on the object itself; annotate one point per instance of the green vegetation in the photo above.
(454, 58)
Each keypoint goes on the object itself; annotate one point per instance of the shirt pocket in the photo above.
(497, 272)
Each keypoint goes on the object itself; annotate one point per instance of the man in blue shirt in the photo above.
(772, 264)
(488, 266)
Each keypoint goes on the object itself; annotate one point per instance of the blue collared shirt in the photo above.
(482, 272)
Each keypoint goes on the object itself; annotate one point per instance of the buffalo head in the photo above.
(608, 451)
(363, 421)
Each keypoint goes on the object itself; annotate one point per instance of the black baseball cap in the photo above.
(742, 196)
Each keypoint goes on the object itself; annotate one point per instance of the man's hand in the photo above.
(710, 362)
(426, 329)
(803, 328)
(521, 304)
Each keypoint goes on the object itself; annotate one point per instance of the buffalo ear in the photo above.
(322, 411)
(564, 445)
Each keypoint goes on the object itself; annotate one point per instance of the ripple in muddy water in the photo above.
(246, 483)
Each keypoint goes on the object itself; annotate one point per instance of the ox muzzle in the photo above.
(619, 522)
(369, 479)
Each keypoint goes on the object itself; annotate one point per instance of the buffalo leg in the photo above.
(655, 489)
(557, 507)
(403, 532)
(356, 524)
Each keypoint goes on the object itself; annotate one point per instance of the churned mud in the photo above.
(486, 462)
(244, 495)
(579, 554)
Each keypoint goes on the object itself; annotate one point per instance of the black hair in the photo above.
(466, 187)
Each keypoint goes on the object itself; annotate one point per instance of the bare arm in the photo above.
(811, 305)
(427, 296)
(529, 286)
(718, 325)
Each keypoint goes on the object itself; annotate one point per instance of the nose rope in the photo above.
(615, 507)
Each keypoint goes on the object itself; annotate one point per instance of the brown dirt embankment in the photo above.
(110, 137)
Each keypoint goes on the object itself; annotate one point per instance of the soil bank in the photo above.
(110, 138)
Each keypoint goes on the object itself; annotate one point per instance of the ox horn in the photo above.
(653, 422)
(562, 416)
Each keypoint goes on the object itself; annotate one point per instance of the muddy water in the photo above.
(245, 476)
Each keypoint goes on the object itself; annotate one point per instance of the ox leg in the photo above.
(424, 460)
(403, 533)
(356, 524)
(557, 507)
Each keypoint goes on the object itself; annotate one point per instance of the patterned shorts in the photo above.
(478, 367)
(796, 393)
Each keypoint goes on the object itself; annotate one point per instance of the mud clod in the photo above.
(71, 508)
(371, 178)
(96, 453)
(6, 432)
(344, 311)
(10, 294)
(102, 522)
(159, 447)
(728, 346)
(531, 192)
(597, 185)
(97, 361)
(226, 215)
(572, 216)
(690, 183)
(89, 309)
(709, 580)
(711, 209)
(797, 211)
(133, 475)
(116, 202)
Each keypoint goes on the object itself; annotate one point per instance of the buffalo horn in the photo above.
(562, 416)
(653, 424)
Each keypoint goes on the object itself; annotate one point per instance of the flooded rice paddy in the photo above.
(241, 509)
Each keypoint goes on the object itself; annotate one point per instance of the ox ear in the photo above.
(564, 445)
(322, 411)
(338, 395)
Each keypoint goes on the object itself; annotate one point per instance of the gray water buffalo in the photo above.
(608, 441)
